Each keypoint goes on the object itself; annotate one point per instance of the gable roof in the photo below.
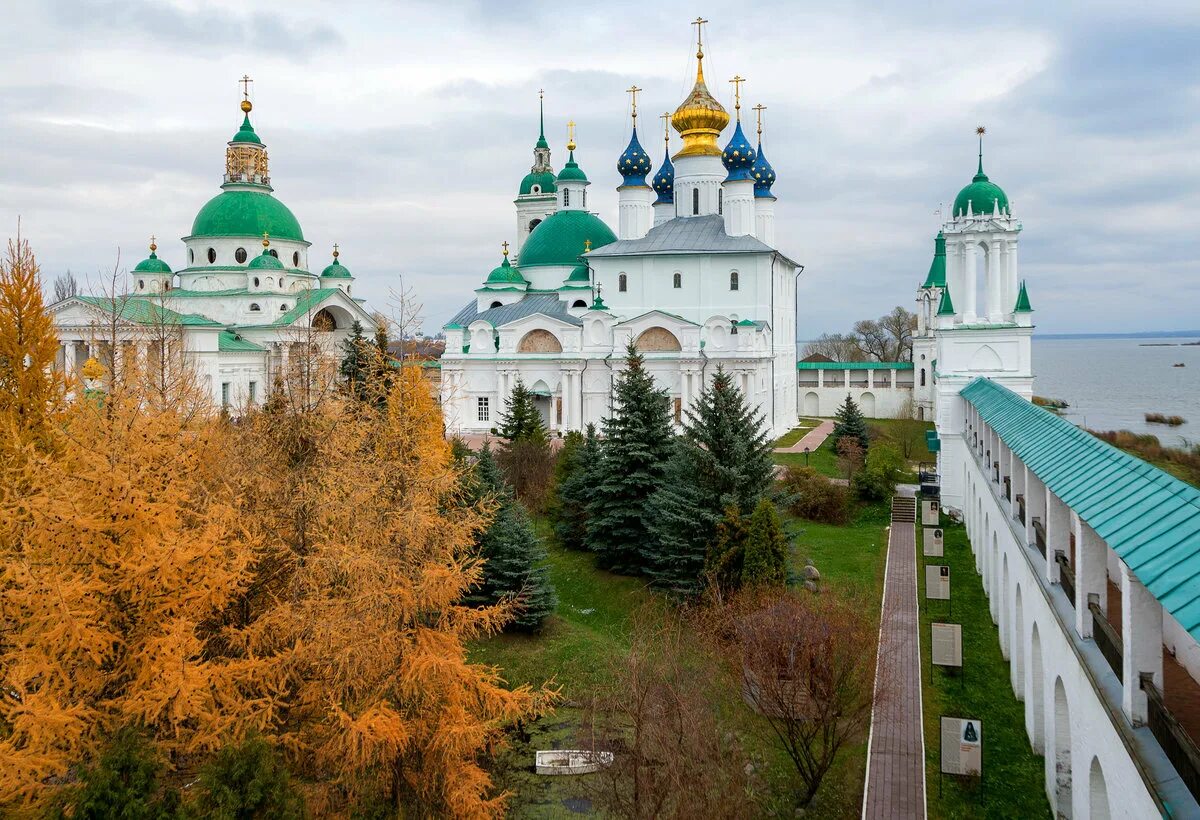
(230, 342)
(1149, 518)
(693, 234)
(546, 304)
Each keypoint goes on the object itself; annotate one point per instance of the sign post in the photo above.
(930, 513)
(937, 584)
(946, 645)
(961, 741)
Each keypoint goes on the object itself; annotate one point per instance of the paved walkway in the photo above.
(896, 753)
(813, 439)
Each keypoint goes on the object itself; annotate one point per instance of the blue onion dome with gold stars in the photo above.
(664, 180)
(764, 175)
(634, 164)
(265, 260)
(335, 269)
(152, 264)
(738, 156)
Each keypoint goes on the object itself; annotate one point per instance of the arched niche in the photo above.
(657, 339)
(539, 341)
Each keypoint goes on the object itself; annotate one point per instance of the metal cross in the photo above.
(587, 246)
(758, 109)
(504, 245)
(633, 92)
(335, 250)
(666, 118)
(570, 135)
(245, 81)
(699, 23)
(737, 81)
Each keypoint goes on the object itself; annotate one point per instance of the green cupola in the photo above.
(540, 181)
(937, 269)
(152, 264)
(982, 195)
(265, 260)
(335, 269)
(505, 275)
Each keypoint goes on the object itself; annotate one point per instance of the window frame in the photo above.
(483, 410)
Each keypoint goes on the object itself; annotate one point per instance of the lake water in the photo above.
(1112, 383)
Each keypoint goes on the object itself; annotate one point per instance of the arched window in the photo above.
(533, 223)
(495, 305)
(274, 253)
(141, 284)
(191, 256)
(579, 303)
(283, 307)
(695, 202)
(678, 281)
(566, 197)
(720, 200)
(622, 283)
(240, 255)
(255, 281)
(254, 308)
(536, 189)
(585, 197)
(922, 377)
(296, 259)
(733, 280)
(212, 255)
(324, 320)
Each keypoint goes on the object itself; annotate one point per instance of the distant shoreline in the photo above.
(1151, 334)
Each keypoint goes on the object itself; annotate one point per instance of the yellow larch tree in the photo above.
(121, 556)
(367, 505)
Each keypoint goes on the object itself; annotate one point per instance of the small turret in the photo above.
(736, 201)
(635, 199)
(153, 275)
(336, 275)
(572, 181)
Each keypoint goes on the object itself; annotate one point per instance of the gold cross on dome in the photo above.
(633, 92)
(336, 253)
(737, 81)
(153, 247)
(504, 245)
(758, 109)
(587, 246)
(699, 24)
(666, 118)
(570, 135)
(245, 81)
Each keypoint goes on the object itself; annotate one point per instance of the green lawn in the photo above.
(592, 626)
(1013, 778)
(824, 458)
(796, 433)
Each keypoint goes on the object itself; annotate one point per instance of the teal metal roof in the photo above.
(229, 342)
(1149, 518)
(143, 311)
(854, 365)
(306, 300)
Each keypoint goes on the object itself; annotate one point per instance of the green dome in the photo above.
(246, 133)
(559, 239)
(265, 261)
(505, 274)
(336, 270)
(572, 171)
(579, 275)
(982, 194)
(246, 213)
(152, 264)
(545, 179)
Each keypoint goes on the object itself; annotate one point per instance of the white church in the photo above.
(243, 299)
(692, 276)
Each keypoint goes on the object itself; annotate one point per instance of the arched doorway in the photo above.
(323, 320)
(1018, 647)
(657, 339)
(1037, 693)
(867, 402)
(812, 404)
(542, 399)
(1097, 793)
(1061, 759)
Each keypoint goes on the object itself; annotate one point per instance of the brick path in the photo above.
(896, 755)
(813, 439)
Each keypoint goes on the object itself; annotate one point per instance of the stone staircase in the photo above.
(904, 509)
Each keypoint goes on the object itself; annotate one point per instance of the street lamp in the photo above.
(805, 456)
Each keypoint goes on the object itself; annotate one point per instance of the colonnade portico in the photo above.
(1093, 688)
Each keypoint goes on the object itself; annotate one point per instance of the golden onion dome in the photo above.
(699, 119)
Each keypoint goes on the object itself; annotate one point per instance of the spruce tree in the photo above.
(574, 488)
(381, 370)
(356, 363)
(636, 447)
(520, 420)
(849, 421)
(765, 560)
(723, 460)
(525, 454)
(723, 563)
(514, 557)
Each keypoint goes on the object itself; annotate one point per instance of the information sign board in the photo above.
(937, 582)
(931, 543)
(962, 746)
(946, 646)
(930, 512)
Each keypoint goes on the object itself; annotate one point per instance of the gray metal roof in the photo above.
(692, 234)
(545, 304)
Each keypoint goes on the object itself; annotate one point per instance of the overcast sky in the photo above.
(401, 131)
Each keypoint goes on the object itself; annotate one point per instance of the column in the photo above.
(285, 362)
(820, 378)
(969, 284)
(995, 290)
(1035, 505)
(1010, 259)
(69, 367)
(1017, 468)
(1091, 575)
(1141, 636)
(1058, 533)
